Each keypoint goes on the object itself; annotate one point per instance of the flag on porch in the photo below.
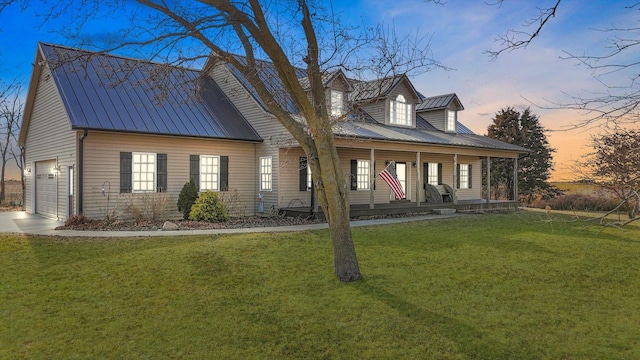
(389, 176)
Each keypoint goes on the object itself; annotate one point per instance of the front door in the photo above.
(401, 171)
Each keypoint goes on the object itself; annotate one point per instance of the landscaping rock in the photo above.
(169, 226)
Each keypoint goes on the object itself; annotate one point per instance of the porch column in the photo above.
(515, 178)
(372, 181)
(488, 179)
(454, 186)
(418, 177)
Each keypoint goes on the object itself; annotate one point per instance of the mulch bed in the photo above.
(151, 225)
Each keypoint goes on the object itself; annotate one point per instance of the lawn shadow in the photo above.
(471, 342)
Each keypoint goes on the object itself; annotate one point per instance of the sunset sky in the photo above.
(460, 31)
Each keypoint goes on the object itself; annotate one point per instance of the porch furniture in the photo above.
(439, 194)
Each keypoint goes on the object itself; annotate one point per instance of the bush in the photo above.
(208, 207)
(579, 202)
(187, 197)
(144, 206)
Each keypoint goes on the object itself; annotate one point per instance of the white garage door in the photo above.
(46, 188)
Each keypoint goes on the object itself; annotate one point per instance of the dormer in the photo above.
(391, 100)
(441, 111)
(337, 89)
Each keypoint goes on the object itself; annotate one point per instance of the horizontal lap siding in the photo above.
(476, 177)
(289, 169)
(102, 163)
(49, 136)
(267, 126)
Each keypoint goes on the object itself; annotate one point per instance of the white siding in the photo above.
(49, 137)
(289, 169)
(268, 127)
(102, 163)
(476, 177)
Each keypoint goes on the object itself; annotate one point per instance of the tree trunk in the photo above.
(344, 253)
(333, 196)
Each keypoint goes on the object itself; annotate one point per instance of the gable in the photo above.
(104, 92)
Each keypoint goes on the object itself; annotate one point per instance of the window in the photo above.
(209, 172)
(337, 103)
(464, 176)
(265, 173)
(451, 120)
(305, 175)
(362, 175)
(144, 172)
(400, 111)
(433, 174)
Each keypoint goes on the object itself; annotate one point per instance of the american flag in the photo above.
(389, 176)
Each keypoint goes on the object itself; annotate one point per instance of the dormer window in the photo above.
(400, 111)
(451, 120)
(337, 103)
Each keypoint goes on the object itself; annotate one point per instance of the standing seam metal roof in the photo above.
(106, 92)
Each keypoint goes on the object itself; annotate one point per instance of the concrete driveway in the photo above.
(21, 222)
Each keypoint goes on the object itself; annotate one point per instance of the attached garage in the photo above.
(46, 189)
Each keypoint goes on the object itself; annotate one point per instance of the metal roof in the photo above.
(111, 93)
(377, 131)
(438, 102)
(362, 125)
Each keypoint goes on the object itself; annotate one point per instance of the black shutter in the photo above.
(224, 173)
(425, 175)
(470, 178)
(194, 170)
(125, 172)
(161, 176)
(457, 176)
(354, 174)
(303, 174)
(439, 173)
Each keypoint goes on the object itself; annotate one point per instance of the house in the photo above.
(103, 133)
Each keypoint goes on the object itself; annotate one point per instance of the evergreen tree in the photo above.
(523, 129)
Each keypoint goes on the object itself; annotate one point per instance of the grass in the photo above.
(515, 286)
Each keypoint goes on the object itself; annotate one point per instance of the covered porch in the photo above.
(406, 207)
(462, 175)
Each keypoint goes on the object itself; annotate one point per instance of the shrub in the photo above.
(208, 207)
(187, 197)
(232, 202)
(144, 206)
(578, 202)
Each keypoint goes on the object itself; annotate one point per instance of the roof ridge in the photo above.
(123, 57)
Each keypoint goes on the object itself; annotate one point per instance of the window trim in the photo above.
(464, 176)
(363, 179)
(450, 121)
(398, 106)
(336, 105)
(217, 173)
(266, 178)
(433, 175)
(153, 173)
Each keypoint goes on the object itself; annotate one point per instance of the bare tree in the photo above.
(10, 116)
(615, 166)
(295, 36)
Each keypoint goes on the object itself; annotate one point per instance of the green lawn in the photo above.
(475, 287)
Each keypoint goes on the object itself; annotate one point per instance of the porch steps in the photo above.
(444, 211)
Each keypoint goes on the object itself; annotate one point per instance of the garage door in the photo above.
(46, 188)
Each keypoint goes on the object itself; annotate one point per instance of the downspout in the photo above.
(81, 170)
(23, 153)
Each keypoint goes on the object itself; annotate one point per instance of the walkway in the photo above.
(23, 223)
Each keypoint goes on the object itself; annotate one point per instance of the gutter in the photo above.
(80, 169)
